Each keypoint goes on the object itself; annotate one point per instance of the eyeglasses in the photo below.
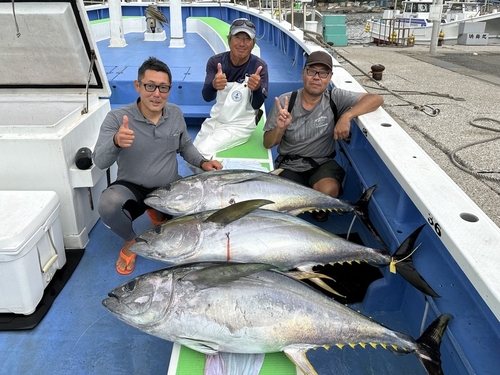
(243, 21)
(312, 73)
(149, 87)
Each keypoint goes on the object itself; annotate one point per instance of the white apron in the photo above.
(231, 121)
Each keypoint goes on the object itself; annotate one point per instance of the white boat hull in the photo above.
(382, 29)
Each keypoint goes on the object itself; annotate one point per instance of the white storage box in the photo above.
(31, 248)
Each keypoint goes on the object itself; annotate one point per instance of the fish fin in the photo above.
(298, 357)
(403, 263)
(361, 211)
(236, 211)
(277, 171)
(325, 286)
(306, 273)
(428, 352)
(225, 272)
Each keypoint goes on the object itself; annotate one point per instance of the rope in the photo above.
(18, 33)
(453, 153)
(425, 108)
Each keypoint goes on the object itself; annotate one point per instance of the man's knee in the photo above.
(329, 186)
(113, 201)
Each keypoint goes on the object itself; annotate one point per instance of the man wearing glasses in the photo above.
(305, 124)
(238, 81)
(143, 138)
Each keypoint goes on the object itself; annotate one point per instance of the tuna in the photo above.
(244, 233)
(218, 189)
(250, 308)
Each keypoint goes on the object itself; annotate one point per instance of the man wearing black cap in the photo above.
(306, 130)
(239, 82)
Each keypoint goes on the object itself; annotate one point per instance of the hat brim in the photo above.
(330, 67)
(242, 29)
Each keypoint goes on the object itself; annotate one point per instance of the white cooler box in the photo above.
(31, 248)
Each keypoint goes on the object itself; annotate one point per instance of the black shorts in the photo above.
(137, 208)
(330, 169)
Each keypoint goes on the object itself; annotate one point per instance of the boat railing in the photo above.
(393, 32)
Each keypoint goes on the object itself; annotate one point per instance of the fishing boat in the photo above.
(68, 64)
(458, 22)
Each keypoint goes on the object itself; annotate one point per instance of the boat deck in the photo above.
(78, 335)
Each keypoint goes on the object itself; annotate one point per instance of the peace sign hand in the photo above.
(284, 117)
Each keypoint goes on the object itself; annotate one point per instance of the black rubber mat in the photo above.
(12, 322)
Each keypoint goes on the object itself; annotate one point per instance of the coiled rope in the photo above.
(485, 175)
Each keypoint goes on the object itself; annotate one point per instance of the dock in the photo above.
(447, 102)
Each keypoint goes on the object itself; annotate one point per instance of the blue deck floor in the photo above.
(79, 336)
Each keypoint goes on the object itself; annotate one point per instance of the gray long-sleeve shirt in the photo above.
(151, 161)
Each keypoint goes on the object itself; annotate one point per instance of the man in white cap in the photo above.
(305, 124)
(239, 81)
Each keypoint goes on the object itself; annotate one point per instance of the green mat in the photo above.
(220, 27)
(252, 149)
(193, 363)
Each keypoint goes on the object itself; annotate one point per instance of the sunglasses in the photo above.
(242, 21)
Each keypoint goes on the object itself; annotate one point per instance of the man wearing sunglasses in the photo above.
(305, 124)
(238, 80)
(143, 138)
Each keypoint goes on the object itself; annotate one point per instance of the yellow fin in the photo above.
(298, 357)
(352, 345)
(340, 346)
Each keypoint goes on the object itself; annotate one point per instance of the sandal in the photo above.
(127, 259)
(153, 216)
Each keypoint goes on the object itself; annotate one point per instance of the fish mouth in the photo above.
(111, 302)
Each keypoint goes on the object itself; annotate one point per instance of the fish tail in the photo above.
(361, 211)
(402, 263)
(428, 351)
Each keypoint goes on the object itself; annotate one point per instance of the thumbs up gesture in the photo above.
(220, 81)
(254, 79)
(125, 136)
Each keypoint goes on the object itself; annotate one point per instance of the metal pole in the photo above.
(435, 16)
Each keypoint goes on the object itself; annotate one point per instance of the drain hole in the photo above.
(469, 217)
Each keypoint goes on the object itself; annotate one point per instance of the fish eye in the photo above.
(157, 229)
(168, 187)
(130, 286)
